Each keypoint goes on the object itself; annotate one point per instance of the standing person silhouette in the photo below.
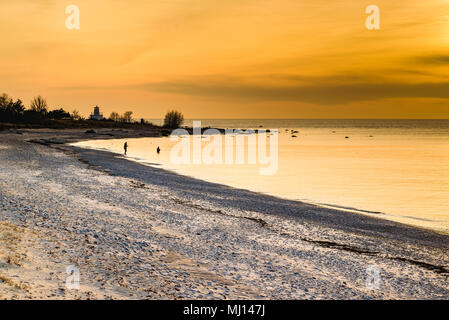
(125, 146)
(158, 150)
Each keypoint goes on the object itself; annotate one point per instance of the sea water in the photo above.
(393, 169)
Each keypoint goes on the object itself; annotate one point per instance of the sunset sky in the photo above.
(230, 58)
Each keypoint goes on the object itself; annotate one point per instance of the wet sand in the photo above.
(138, 232)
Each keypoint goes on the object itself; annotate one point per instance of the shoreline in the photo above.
(320, 205)
(318, 250)
(373, 214)
(405, 220)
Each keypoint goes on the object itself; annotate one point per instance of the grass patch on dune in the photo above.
(11, 283)
(7, 280)
(10, 238)
(14, 260)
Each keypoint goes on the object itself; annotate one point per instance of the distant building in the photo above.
(96, 115)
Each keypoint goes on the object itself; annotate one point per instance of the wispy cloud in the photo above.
(325, 94)
(332, 90)
(436, 59)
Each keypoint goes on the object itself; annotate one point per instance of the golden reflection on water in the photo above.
(403, 175)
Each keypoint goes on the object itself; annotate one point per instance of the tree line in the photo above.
(15, 112)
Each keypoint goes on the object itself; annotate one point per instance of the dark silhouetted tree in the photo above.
(173, 119)
(114, 116)
(10, 111)
(5, 99)
(32, 116)
(58, 114)
(39, 104)
(127, 116)
(76, 115)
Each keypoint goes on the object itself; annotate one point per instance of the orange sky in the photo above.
(230, 59)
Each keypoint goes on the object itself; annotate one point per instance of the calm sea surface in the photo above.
(393, 169)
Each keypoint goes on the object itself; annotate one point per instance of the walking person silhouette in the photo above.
(125, 146)
(158, 150)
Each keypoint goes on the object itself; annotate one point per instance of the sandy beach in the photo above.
(139, 232)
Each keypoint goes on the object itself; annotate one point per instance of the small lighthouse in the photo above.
(96, 115)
